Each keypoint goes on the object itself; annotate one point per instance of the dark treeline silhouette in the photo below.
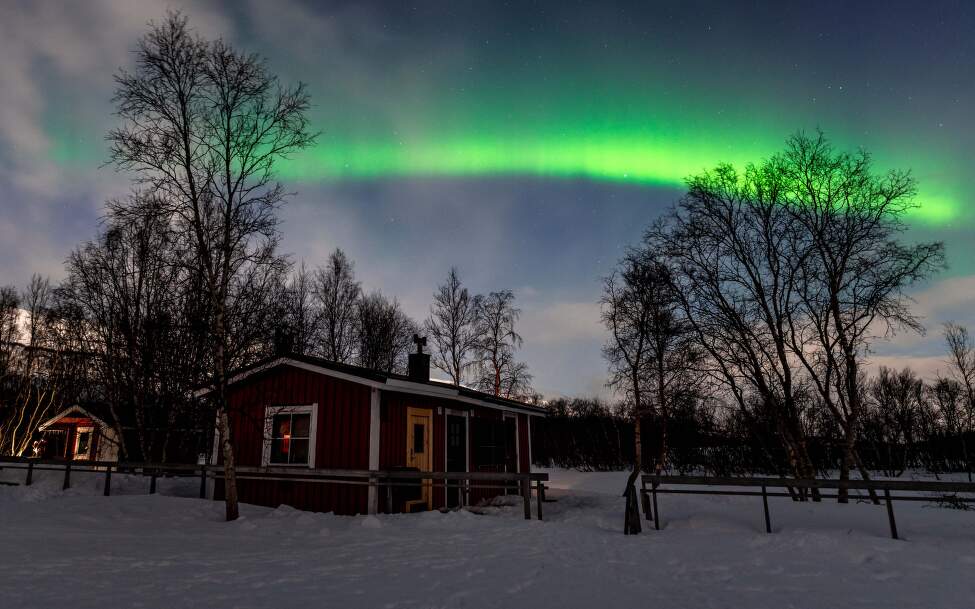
(909, 424)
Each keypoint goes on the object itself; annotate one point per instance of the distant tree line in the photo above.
(908, 424)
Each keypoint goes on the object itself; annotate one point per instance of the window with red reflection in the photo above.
(290, 434)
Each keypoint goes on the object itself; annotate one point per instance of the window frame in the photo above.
(270, 412)
(514, 416)
(90, 430)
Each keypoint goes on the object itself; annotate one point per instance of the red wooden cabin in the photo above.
(304, 412)
(77, 434)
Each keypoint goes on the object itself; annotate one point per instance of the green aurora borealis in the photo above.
(643, 150)
(623, 113)
(650, 161)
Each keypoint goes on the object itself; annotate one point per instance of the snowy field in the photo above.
(78, 549)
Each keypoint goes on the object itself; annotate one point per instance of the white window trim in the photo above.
(375, 423)
(517, 441)
(77, 438)
(269, 412)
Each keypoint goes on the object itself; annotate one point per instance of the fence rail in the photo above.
(929, 491)
(372, 478)
(388, 479)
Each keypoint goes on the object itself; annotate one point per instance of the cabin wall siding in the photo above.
(342, 437)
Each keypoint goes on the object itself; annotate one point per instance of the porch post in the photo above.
(374, 423)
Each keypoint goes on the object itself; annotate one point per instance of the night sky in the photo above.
(526, 143)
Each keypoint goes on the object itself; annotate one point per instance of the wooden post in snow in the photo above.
(203, 481)
(768, 520)
(890, 514)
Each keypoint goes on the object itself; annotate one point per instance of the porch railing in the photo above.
(387, 480)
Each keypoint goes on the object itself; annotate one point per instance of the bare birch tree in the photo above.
(672, 353)
(961, 351)
(9, 331)
(44, 370)
(851, 271)
(453, 326)
(141, 328)
(338, 294)
(725, 243)
(627, 312)
(301, 313)
(497, 341)
(385, 334)
(202, 126)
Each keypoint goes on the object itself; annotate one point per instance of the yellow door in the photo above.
(419, 452)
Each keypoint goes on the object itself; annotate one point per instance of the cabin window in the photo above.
(289, 437)
(419, 434)
(82, 443)
(494, 445)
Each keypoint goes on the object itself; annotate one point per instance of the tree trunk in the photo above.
(632, 524)
(964, 456)
(843, 494)
(662, 409)
(229, 469)
(223, 420)
(865, 474)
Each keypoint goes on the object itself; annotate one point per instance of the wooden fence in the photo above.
(930, 491)
(381, 479)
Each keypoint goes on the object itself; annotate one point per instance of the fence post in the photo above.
(30, 473)
(656, 510)
(108, 480)
(67, 476)
(768, 520)
(152, 482)
(645, 500)
(526, 495)
(203, 481)
(890, 514)
(540, 496)
(372, 495)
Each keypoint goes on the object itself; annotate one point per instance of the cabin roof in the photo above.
(386, 381)
(76, 408)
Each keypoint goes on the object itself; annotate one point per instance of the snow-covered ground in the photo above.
(79, 549)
